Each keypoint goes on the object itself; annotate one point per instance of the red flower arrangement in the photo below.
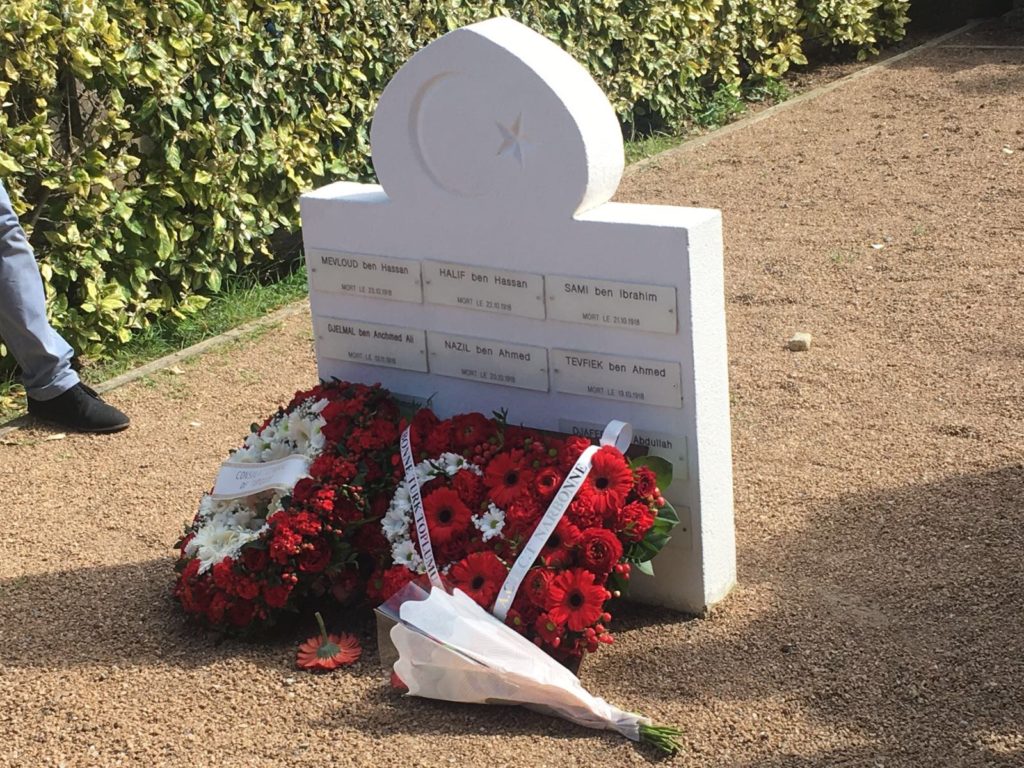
(485, 487)
(244, 562)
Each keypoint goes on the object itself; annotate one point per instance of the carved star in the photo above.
(513, 142)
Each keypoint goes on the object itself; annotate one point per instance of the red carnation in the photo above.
(223, 574)
(336, 428)
(507, 478)
(303, 489)
(611, 480)
(422, 424)
(471, 429)
(316, 558)
(191, 570)
(469, 486)
(576, 600)
(215, 610)
(276, 595)
(246, 587)
(634, 520)
(480, 575)
(599, 550)
(446, 515)
(521, 516)
(571, 450)
(582, 511)
(439, 440)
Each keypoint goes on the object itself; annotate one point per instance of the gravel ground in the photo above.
(879, 490)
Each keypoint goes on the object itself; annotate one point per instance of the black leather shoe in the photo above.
(79, 409)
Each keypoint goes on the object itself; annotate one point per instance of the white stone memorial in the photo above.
(488, 270)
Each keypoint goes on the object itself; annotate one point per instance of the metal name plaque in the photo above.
(630, 379)
(485, 360)
(484, 289)
(632, 306)
(374, 277)
(356, 342)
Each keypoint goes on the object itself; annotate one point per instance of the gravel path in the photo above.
(879, 618)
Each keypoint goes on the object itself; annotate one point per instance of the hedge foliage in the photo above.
(153, 147)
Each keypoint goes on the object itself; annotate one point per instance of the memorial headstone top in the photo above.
(493, 113)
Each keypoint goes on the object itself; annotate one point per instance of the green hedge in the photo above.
(153, 147)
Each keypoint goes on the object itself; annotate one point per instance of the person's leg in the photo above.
(55, 393)
(42, 354)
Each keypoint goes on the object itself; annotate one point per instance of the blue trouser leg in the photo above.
(44, 356)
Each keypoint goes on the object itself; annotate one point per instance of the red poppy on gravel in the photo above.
(610, 478)
(575, 600)
(446, 515)
(507, 478)
(480, 575)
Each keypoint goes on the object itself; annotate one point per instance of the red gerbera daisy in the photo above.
(480, 576)
(611, 480)
(575, 600)
(536, 586)
(507, 478)
(326, 652)
(558, 549)
(446, 515)
(548, 629)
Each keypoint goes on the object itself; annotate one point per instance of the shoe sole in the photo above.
(82, 430)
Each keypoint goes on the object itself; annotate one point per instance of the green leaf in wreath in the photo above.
(645, 566)
(668, 513)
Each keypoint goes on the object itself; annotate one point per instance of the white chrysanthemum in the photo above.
(452, 463)
(402, 500)
(215, 541)
(395, 524)
(490, 523)
(209, 506)
(287, 434)
(404, 553)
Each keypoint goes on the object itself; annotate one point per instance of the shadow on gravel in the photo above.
(898, 618)
(126, 615)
